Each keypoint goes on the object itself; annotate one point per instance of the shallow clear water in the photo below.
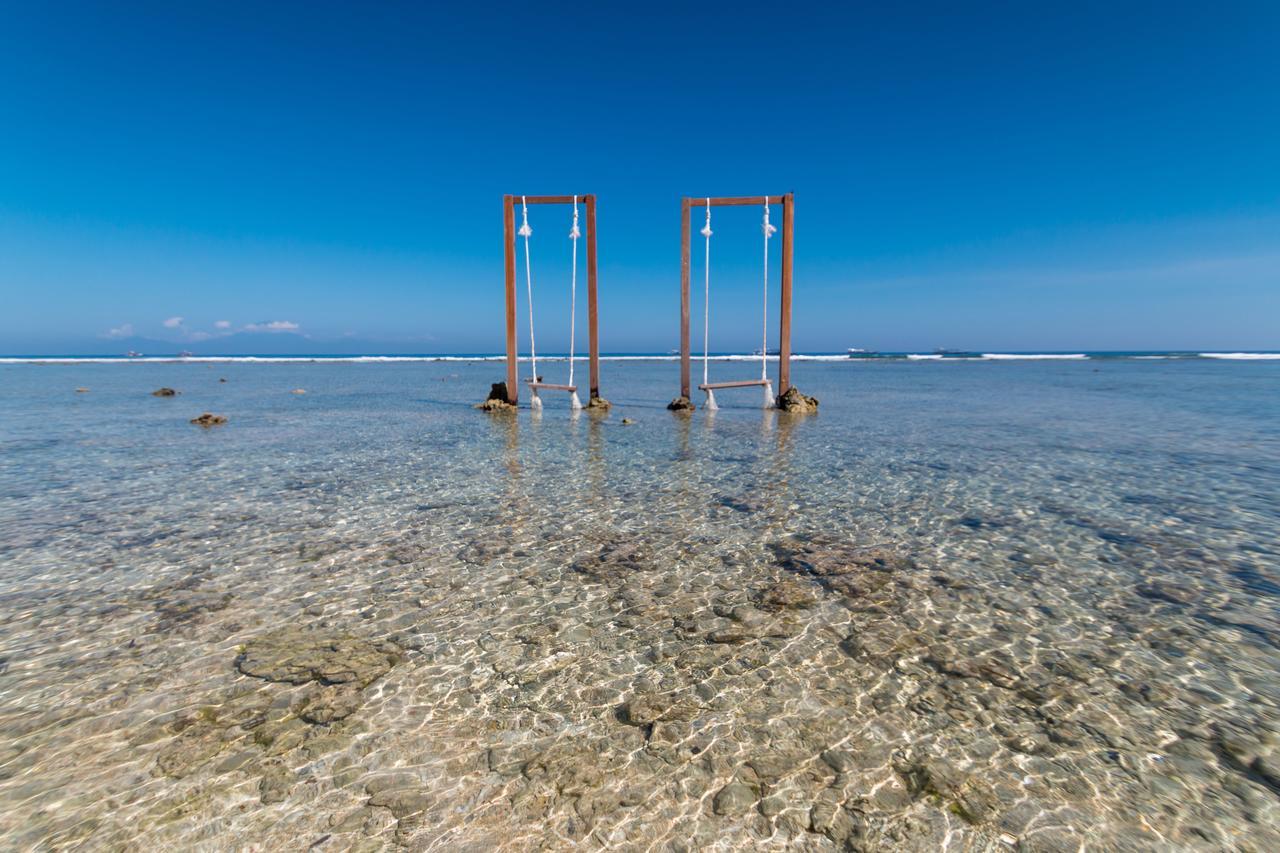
(967, 606)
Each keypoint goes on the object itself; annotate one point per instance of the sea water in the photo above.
(968, 605)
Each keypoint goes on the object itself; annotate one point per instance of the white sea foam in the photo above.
(1243, 356)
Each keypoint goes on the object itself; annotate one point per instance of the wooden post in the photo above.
(593, 315)
(509, 243)
(684, 298)
(784, 320)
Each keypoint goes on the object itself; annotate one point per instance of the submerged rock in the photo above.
(843, 567)
(298, 391)
(795, 402)
(301, 655)
(82, 390)
(275, 785)
(681, 404)
(615, 561)
(498, 400)
(734, 798)
(208, 419)
(788, 594)
(164, 392)
(598, 402)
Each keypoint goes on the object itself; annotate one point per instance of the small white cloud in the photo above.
(222, 324)
(173, 322)
(273, 326)
(124, 331)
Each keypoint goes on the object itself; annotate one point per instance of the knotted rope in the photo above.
(769, 231)
(574, 234)
(706, 308)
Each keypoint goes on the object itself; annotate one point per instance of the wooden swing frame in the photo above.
(509, 203)
(788, 203)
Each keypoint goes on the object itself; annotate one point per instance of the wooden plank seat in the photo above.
(742, 383)
(551, 387)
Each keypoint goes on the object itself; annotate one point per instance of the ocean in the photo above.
(983, 603)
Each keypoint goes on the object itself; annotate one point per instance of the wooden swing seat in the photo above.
(742, 383)
(551, 386)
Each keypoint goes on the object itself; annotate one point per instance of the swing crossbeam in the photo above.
(741, 383)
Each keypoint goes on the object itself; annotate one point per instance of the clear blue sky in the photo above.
(1011, 176)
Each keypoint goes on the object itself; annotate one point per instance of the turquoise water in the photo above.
(970, 605)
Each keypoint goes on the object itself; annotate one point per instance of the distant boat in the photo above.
(769, 351)
(133, 354)
(185, 354)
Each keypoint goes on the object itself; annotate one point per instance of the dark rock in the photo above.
(681, 404)
(788, 594)
(627, 421)
(842, 567)
(275, 785)
(616, 561)
(825, 559)
(302, 655)
(647, 708)
(208, 419)
(481, 551)
(164, 392)
(600, 403)
(187, 606)
(328, 705)
(797, 403)
(734, 798)
(498, 400)
(835, 822)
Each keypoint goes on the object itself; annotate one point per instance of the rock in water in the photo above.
(681, 404)
(298, 391)
(497, 401)
(301, 655)
(164, 392)
(598, 403)
(734, 798)
(82, 390)
(208, 419)
(797, 403)
(788, 594)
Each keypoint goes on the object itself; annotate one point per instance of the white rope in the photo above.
(769, 231)
(525, 232)
(706, 304)
(574, 234)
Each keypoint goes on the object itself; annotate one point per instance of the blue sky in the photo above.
(1008, 176)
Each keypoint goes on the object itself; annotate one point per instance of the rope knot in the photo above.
(525, 230)
(706, 230)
